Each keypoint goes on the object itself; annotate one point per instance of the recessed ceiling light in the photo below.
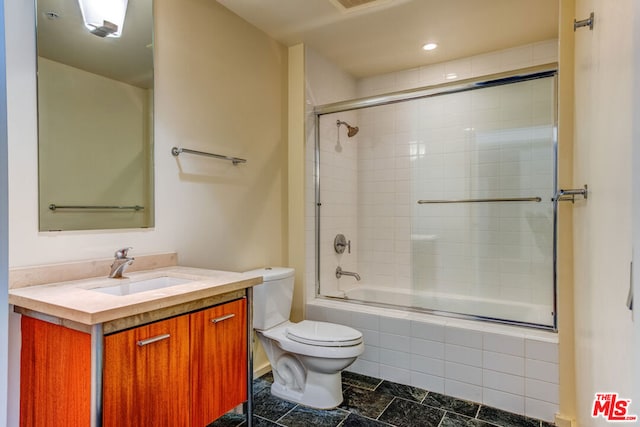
(429, 46)
(451, 76)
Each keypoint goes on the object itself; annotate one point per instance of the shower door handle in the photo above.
(569, 195)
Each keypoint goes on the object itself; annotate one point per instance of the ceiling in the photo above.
(66, 40)
(383, 36)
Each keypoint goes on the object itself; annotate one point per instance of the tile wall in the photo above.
(510, 368)
(488, 143)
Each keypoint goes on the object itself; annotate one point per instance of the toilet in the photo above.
(307, 358)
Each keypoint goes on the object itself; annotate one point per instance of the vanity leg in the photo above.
(249, 404)
(97, 348)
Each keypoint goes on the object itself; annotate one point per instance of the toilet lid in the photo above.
(323, 334)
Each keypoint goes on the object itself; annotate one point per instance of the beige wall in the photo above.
(220, 91)
(565, 288)
(296, 152)
(220, 87)
(602, 225)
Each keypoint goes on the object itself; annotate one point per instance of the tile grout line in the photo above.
(385, 408)
(443, 417)
(478, 412)
(286, 413)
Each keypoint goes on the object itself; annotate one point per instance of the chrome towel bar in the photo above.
(507, 199)
(235, 160)
(55, 207)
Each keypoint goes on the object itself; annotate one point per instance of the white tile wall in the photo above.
(470, 360)
(508, 368)
(465, 145)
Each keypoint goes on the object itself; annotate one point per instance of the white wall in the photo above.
(326, 83)
(602, 225)
(219, 87)
(4, 230)
(635, 178)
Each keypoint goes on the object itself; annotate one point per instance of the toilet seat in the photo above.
(323, 334)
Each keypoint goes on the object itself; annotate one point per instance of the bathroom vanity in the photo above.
(169, 346)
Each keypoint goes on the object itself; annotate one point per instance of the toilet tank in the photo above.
(272, 299)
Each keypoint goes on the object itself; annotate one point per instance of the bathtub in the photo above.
(451, 304)
(513, 368)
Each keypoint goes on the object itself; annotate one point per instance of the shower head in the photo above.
(351, 130)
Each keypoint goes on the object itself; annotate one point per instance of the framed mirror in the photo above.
(95, 116)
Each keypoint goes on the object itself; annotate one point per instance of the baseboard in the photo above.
(261, 370)
(563, 421)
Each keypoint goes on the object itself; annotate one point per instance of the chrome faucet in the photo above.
(340, 272)
(120, 263)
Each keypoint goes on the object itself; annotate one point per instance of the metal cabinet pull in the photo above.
(221, 318)
(151, 340)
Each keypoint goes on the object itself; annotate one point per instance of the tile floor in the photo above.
(371, 402)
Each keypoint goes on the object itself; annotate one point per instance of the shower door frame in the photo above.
(492, 80)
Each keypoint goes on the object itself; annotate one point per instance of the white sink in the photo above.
(129, 288)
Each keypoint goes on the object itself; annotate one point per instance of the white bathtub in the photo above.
(534, 314)
(508, 367)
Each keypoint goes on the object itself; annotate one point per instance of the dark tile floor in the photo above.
(371, 402)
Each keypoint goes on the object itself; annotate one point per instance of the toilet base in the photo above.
(321, 391)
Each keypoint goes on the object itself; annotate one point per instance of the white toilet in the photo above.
(307, 358)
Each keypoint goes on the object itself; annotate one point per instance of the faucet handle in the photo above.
(122, 253)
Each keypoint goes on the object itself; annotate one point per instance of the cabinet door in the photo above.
(55, 375)
(218, 361)
(146, 375)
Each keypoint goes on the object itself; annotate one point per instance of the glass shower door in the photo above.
(482, 224)
(446, 200)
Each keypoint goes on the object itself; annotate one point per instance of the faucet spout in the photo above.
(340, 272)
(120, 263)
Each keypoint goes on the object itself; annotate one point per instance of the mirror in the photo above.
(95, 119)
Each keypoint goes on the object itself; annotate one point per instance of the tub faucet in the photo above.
(340, 272)
(120, 263)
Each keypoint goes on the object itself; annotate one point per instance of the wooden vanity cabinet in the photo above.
(218, 361)
(146, 375)
(186, 371)
(55, 375)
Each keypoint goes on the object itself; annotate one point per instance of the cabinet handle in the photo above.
(221, 318)
(151, 340)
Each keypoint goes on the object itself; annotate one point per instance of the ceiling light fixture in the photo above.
(104, 18)
(429, 46)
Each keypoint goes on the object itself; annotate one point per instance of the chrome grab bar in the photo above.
(507, 199)
(151, 340)
(235, 160)
(54, 207)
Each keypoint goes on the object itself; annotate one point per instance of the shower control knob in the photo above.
(340, 244)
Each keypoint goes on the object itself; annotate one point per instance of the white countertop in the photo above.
(77, 301)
